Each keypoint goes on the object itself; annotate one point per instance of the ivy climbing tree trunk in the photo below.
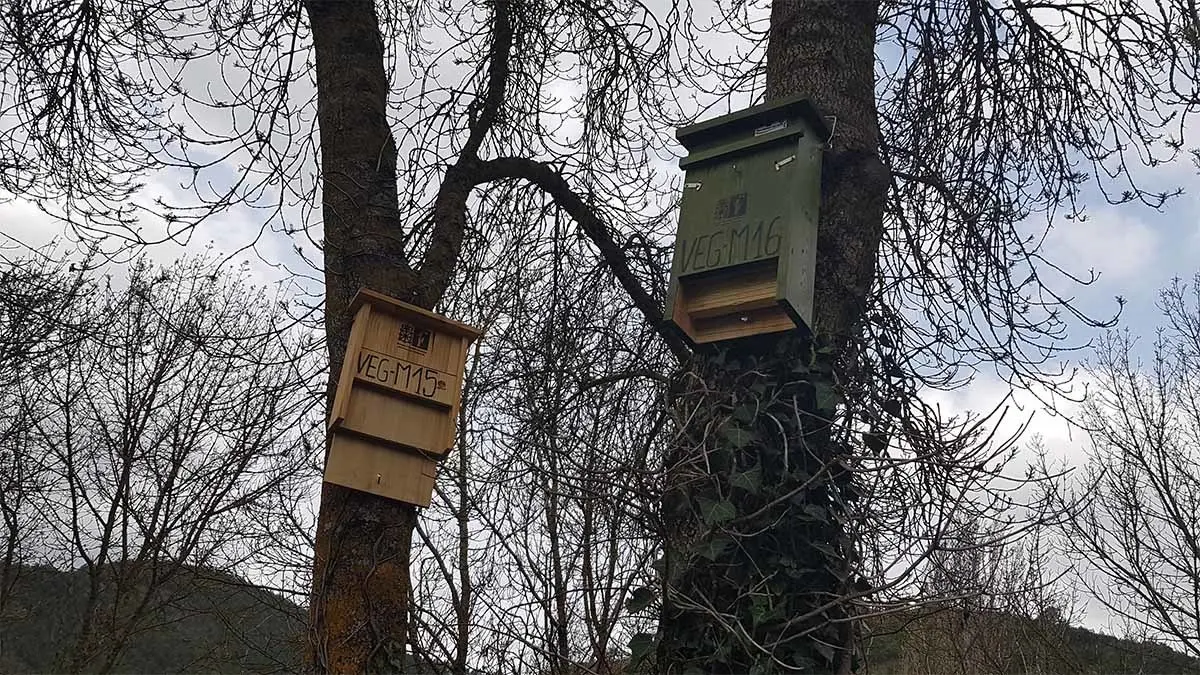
(756, 574)
(359, 606)
(756, 555)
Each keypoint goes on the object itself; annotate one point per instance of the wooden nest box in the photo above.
(745, 251)
(395, 413)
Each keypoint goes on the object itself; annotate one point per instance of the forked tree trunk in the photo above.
(757, 555)
(359, 606)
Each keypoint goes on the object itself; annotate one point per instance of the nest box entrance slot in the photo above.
(731, 303)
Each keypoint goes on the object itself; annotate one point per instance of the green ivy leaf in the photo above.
(641, 646)
(714, 547)
(801, 662)
(745, 412)
(827, 398)
(715, 513)
(736, 435)
(760, 609)
(640, 599)
(817, 512)
(749, 480)
(800, 572)
(827, 550)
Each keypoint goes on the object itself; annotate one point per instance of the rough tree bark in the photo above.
(825, 49)
(359, 606)
(758, 563)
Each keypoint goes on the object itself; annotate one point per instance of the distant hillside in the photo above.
(214, 624)
(218, 624)
(952, 641)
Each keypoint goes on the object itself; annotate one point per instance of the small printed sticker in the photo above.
(774, 126)
(414, 338)
(731, 207)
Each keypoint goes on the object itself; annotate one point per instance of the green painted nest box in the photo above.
(745, 252)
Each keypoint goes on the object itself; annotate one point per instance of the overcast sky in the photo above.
(1135, 250)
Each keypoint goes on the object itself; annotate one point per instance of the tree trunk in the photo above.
(359, 606)
(825, 50)
(757, 561)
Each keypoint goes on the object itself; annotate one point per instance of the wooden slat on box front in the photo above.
(752, 322)
(362, 465)
(400, 421)
(388, 334)
(740, 289)
(405, 377)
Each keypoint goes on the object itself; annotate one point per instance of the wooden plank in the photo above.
(679, 315)
(402, 339)
(739, 290)
(401, 421)
(361, 465)
(733, 303)
(408, 379)
(753, 322)
(452, 430)
(341, 397)
(403, 309)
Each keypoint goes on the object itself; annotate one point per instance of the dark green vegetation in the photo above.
(221, 624)
(762, 467)
(989, 642)
(215, 623)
